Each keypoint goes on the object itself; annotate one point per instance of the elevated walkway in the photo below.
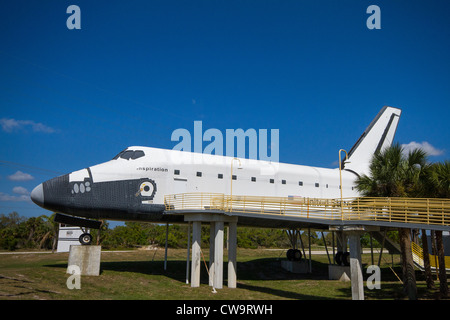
(350, 218)
(295, 212)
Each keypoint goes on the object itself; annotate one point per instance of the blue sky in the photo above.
(138, 70)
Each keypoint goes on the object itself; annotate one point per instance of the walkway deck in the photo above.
(295, 212)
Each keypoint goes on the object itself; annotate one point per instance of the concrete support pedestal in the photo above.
(232, 254)
(355, 266)
(217, 224)
(218, 255)
(87, 258)
(196, 255)
(341, 273)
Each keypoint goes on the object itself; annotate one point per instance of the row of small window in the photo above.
(253, 179)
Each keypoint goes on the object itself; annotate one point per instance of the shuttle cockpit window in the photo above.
(127, 154)
(130, 154)
(118, 155)
(137, 154)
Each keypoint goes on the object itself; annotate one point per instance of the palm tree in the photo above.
(426, 261)
(438, 186)
(443, 286)
(438, 182)
(383, 179)
(392, 174)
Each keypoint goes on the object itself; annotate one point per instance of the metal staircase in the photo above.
(393, 247)
(417, 253)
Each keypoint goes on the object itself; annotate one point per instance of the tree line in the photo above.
(40, 233)
(17, 232)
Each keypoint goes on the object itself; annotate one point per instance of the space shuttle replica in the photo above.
(133, 185)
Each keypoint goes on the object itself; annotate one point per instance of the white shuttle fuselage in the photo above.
(132, 186)
(175, 172)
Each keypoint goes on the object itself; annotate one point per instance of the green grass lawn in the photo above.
(140, 275)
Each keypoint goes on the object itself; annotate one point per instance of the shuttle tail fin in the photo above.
(378, 135)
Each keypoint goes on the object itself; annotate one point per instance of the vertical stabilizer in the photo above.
(378, 135)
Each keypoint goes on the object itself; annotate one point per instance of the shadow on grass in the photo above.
(265, 269)
(22, 287)
(280, 293)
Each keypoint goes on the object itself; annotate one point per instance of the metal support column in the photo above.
(309, 240)
(188, 252)
(212, 235)
(165, 250)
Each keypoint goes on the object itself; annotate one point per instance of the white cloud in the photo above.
(20, 198)
(20, 176)
(21, 191)
(425, 146)
(22, 195)
(10, 125)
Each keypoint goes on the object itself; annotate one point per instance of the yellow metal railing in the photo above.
(407, 210)
(417, 253)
